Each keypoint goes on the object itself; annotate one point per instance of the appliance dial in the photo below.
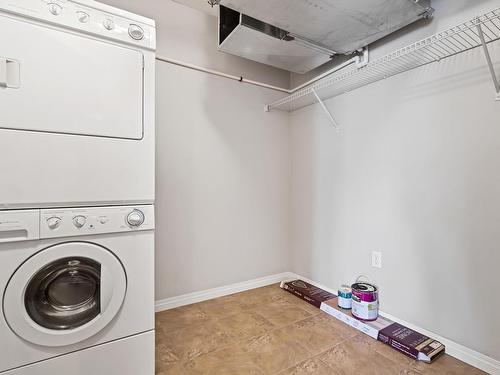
(55, 9)
(108, 24)
(135, 218)
(82, 16)
(136, 32)
(79, 221)
(53, 222)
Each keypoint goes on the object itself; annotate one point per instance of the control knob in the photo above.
(136, 32)
(79, 221)
(83, 17)
(108, 24)
(135, 218)
(53, 222)
(55, 9)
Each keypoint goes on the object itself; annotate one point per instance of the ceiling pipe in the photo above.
(360, 62)
(220, 74)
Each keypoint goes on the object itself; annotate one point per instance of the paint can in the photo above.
(364, 301)
(344, 299)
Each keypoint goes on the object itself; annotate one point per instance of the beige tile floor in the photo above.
(269, 331)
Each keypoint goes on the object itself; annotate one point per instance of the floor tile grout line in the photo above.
(333, 346)
(326, 364)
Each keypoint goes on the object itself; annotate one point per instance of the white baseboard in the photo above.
(456, 350)
(453, 349)
(187, 299)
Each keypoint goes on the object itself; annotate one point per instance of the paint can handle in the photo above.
(360, 277)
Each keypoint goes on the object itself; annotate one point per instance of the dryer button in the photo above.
(55, 9)
(82, 16)
(136, 32)
(108, 24)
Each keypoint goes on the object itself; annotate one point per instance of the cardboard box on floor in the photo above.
(397, 336)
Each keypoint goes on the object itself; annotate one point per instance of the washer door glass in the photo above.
(65, 294)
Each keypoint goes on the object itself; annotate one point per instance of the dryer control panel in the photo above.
(88, 16)
(65, 222)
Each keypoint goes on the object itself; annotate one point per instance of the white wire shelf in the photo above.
(458, 39)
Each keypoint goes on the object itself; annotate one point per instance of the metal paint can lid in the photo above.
(364, 287)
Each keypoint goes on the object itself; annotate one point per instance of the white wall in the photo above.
(223, 164)
(414, 173)
(222, 183)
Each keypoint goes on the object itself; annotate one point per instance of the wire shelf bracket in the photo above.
(476, 32)
(488, 59)
(328, 113)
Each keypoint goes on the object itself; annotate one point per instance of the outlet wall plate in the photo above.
(376, 259)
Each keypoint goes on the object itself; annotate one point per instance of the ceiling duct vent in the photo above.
(301, 35)
(256, 40)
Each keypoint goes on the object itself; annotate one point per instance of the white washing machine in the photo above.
(77, 289)
(77, 93)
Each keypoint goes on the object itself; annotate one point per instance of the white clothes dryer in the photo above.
(77, 283)
(77, 93)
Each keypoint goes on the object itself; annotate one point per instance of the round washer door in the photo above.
(65, 294)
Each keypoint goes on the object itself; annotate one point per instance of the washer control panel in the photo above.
(88, 17)
(65, 222)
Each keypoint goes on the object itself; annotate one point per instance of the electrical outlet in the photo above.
(376, 259)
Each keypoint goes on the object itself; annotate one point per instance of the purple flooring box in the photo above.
(309, 293)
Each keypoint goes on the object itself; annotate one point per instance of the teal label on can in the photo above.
(345, 294)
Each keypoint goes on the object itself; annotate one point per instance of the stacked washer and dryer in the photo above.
(76, 189)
